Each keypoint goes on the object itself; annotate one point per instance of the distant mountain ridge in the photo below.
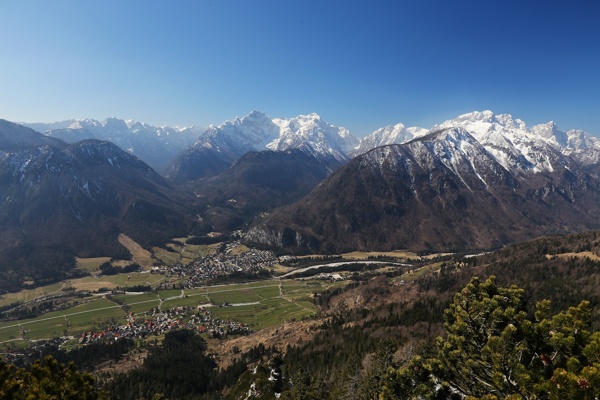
(207, 152)
(157, 146)
(220, 146)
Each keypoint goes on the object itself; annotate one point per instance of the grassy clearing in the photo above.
(185, 254)
(280, 269)
(165, 256)
(129, 299)
(582, 254)
(91, 264)
(419, 272)
(139, 255)
(239, 250)
(272, 308)
(181, 240)
(296, 290)
(30, 294)
(190, 301)
(238, 293)
(361, 255)
(242, 296)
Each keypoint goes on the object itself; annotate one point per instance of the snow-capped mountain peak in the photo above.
(310, 131)
(391, 134)
(256, 131)
(220, 146)
(510, 141)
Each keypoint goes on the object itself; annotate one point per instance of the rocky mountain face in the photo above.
(220, 146)
(257, 182)
(448, 190)
(63, 200)
(157, 146)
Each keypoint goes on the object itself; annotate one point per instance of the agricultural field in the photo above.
(165, 294)
(244, 295)
(267, 313)
(258, 304)
(137, 303)
(190, 301)
(91, 315)
(93, 283)
(29, 294)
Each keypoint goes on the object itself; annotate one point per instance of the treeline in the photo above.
(301, 262)
(84, 357)
(108, 269)
(206, 240)
(353, 267)
(242, 276)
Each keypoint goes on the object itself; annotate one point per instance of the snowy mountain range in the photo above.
(477, 181)
(157, 146)
(190, 153)
(220, 146)
(509, 140)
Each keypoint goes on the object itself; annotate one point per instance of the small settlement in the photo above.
(157, 322)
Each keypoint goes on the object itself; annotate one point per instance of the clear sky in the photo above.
(359, 64)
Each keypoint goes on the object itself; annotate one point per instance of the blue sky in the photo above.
(359, 64)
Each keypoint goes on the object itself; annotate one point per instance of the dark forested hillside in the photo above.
(61, 201)
(441, 192)
(258, 182)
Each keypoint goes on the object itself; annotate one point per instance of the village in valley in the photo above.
(192, 292)
(156, 322)
(229, 260)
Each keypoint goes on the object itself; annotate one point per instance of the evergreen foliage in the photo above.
(178, 369)
(493, 349)
(47, 381)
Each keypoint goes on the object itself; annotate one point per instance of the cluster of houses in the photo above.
(157, 322)
(224, 263)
